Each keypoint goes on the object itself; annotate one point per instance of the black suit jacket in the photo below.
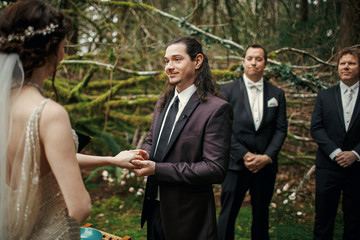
(328, 128)
(272, 131)
(196, 157)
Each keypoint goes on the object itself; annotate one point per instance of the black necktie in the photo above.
(169, 123)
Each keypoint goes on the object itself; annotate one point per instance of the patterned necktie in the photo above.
(168, 126)
(255, 88)
(347, 110)
(349, 96)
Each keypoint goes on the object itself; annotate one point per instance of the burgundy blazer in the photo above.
(197, 157)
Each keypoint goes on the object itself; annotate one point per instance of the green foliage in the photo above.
(225, 75)
(307, 81)
(119, 216)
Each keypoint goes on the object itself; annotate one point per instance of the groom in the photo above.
(188, 144)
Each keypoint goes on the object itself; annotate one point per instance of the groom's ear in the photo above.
(199, 60)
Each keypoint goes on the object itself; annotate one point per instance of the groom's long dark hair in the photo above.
(204, 81)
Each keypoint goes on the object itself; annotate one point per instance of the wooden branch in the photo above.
(296, 137)
(110, 67)
(75, 92)
(136, 135)
(232, 57)
(141, 140)
(309, 172)
(300, 122)
(195, 9)
(182, 22)
(305, 53)
(304, 95)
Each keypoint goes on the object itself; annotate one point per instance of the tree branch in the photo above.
(307, 54)
(109, 67)
(182, 22)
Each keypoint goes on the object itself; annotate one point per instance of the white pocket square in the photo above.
(272, 102)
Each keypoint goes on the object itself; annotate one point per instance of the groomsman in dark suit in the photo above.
(258, 132)
(188, 155)
(335, 127)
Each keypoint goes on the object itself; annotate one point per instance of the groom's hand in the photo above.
(144, 154)
(144, 167)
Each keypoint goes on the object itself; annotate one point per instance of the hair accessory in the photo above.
(29, 32)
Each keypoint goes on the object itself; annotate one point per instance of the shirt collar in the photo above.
(185, 95)
(345, 87)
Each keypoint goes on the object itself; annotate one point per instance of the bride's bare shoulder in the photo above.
(53, 111)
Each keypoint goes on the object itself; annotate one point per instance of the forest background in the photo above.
(112, 76)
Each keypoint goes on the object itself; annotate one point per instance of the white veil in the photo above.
(11, 72)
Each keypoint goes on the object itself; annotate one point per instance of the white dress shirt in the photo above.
(256, 103)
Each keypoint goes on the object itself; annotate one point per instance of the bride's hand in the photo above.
(143, 153)
(124, 158)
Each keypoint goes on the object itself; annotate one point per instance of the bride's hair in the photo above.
(34, 31)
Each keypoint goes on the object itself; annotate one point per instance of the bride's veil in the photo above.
(11, 73)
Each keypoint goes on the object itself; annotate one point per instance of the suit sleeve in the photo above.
(280, 133)
(318, 131)
(212, 166)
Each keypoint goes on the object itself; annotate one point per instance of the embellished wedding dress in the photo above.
(36, 207)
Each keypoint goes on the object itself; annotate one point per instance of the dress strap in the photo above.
(25, 204)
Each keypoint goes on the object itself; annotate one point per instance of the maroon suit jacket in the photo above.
(197, 157)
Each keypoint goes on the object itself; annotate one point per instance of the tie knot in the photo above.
(349, 93)
(258, 86)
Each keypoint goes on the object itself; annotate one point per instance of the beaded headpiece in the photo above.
(29, 32)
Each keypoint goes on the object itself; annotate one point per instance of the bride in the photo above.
(42, 195)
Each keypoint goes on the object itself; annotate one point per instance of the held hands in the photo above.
(345, 158)
(255, 162)
(124, 158)
(138, 161)
(144, 168)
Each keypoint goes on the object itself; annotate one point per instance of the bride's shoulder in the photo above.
(53, 111)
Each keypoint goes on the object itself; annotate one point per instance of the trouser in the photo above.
(154, 227)
(329, 186)
(234, 188)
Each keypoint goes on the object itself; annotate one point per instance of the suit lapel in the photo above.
(184, 117)
(355, 111)
(244, 97)
(265, 99)
(339, 106)
(158, 127)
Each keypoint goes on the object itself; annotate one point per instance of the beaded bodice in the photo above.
(53, 221)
